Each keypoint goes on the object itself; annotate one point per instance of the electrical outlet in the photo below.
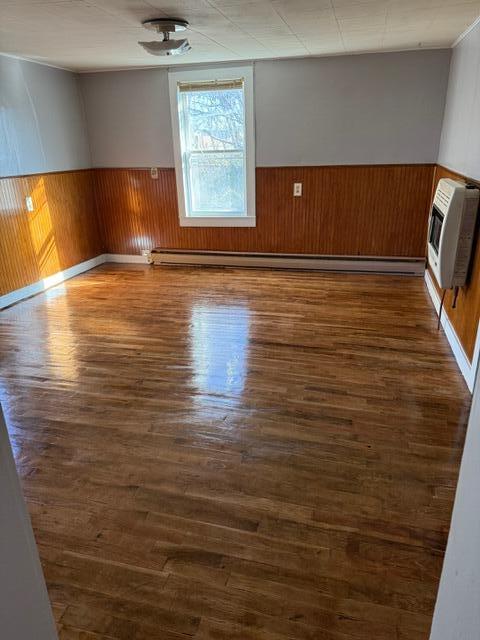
(297, 189)
(154, 173)
(29, 204)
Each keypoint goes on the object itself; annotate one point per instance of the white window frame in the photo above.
(208, 75)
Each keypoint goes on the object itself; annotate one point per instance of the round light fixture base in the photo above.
(165, 25)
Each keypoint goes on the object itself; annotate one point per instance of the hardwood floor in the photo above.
(214, 453)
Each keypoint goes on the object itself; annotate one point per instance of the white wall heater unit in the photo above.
(451, 232)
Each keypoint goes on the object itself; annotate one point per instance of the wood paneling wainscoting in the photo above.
(345, 210)
(465, 317)
(60, 232)
(374, 210)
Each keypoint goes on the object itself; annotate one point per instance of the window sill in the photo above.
(210, 221)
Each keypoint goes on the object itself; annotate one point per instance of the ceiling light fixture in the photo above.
(166, 47)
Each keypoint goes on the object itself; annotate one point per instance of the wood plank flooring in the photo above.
(241, 454)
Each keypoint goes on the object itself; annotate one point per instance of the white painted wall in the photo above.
(128, 118)
(457, 611)
(365, 109)
(42, 120)
(460, 140)
(25, 612)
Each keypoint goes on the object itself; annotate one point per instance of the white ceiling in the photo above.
(102, 34)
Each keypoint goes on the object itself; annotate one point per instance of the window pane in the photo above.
(213, 151)
(214, 119)
(216, 184)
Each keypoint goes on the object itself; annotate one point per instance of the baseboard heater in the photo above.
(352, 264)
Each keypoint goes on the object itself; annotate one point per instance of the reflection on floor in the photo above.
(217, 453)
(219, 358)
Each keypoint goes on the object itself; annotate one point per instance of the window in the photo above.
(436, 228)
(212, 118)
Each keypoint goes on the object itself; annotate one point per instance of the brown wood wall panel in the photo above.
(374, 210)
(61, 232)
(360, 210)
(466, 314)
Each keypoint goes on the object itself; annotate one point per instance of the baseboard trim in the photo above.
(357, 264)
(57, 278)
(50, 281)
(468, 369)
